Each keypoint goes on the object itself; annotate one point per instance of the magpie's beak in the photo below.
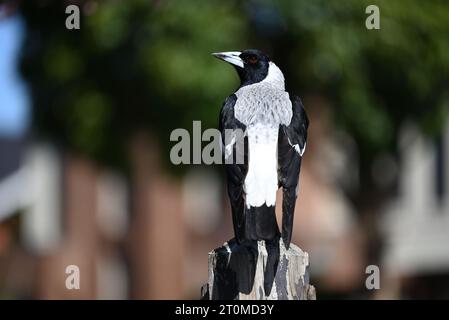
(233, 57)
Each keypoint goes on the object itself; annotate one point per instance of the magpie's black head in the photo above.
(251, 65)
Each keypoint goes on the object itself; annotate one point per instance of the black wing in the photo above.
(291, 145)
(235, 157)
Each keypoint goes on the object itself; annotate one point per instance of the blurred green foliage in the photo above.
(133, 65)
(146, 64)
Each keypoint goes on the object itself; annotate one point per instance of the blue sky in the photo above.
(14, 100)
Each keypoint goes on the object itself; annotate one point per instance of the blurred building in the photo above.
(72, 212)
(416, 223)
(325, 222)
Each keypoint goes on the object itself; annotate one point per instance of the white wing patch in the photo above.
(297, 147)
(299, 150)
(228, 148)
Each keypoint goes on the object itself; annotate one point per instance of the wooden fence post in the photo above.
(237, 272)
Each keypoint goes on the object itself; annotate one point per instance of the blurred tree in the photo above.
(133, 65)
(138, 64)
(375, 80)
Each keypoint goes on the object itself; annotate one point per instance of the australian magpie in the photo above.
(275, 126)
(274, 140)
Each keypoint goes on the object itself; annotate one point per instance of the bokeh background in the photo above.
(86, 116)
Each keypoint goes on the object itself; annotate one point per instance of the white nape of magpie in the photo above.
(276, 132)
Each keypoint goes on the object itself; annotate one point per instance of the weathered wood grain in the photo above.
(237, 272)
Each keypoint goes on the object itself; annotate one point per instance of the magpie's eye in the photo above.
(252, 60)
